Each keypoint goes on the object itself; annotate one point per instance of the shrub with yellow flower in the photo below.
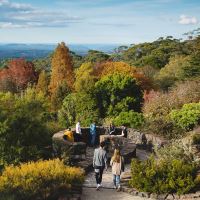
(39, 179)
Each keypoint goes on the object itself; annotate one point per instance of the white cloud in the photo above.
(19, 15)
(10, 25)
(186, 20)
(6, 5)
(20, 6)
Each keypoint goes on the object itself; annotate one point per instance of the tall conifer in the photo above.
(62, 75)
(62, 68)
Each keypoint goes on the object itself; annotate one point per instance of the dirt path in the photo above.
(107, 192)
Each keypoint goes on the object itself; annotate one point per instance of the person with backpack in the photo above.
(99, 163)
(117, 164)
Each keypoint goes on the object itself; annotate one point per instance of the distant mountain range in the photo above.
(32, 51)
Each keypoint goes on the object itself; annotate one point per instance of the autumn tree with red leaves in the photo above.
(18, 74)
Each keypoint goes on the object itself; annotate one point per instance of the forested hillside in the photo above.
(150, 86)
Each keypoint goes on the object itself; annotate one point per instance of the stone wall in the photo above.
(141, 139)
(147, 140)
(81, 155)
(134, 135)
(127, 148)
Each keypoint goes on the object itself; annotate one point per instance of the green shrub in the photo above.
(163, 127)
(38, 180)
(118, 93)
(158, 105)
(78, 106)
(192, 69)
(196, 139)
(130, 119)
(107, 121)
(187, 117)
(176, 149)
(172, 72)
(23, 131)
(54, 127)
(172, 176)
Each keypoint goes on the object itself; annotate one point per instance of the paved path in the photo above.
(107, 192)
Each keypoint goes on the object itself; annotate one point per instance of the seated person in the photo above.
(68, 135)
(124, 131)
(111, 129)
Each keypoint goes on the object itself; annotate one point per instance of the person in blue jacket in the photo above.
(93, 133)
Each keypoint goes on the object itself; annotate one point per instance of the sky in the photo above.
(96, 21)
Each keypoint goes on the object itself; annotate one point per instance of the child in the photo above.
(117, 164)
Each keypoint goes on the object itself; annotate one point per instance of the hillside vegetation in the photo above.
(150, 86)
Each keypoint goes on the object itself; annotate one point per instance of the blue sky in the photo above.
(96, 21)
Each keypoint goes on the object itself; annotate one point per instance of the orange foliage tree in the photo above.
(62, 68)
(62, 75)
(108, 68)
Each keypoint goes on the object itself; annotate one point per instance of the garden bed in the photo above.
(126, 177)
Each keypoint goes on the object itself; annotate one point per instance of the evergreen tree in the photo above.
(85, 79)
(118, 93)
(43, 82)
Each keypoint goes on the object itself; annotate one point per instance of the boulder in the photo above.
(148, 141)
(61, 147)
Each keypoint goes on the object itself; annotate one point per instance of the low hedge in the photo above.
(39, 180)
(163, 177)
(196, 139)
(131, 119)
(187, 117)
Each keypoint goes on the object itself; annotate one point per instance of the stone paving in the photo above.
(129, 151)
(107, 192)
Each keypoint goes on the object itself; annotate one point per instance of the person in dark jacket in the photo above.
(99, 163)
(111, 129)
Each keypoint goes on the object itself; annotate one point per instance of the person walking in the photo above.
(117, 164)
(93, 133)
(78, 132)
(99, 163)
